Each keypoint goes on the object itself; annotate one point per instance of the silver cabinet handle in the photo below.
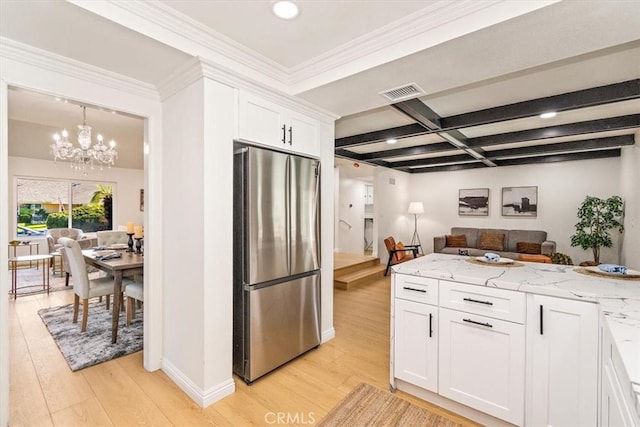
(414, 289)
(488, 325)
(477, 301)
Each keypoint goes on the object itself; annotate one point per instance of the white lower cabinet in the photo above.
(562, 358)
(482, 363)
(526, 359)
(616, 393)
(416, 344)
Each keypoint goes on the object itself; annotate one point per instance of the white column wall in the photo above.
(630, 189)
(183, 129)
(220, 118)
(326, 228)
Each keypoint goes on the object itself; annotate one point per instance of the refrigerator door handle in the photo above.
(288, 211)
(316, 201)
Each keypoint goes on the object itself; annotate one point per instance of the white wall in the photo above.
(391, 202)
(630, 190)
(127, 185)
(561, 189)
(351, 216)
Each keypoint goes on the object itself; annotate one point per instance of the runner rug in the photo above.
(84, 349)
(366, 405)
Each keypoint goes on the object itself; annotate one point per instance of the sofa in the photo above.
(506, 243)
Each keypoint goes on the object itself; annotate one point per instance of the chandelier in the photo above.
(83, 157)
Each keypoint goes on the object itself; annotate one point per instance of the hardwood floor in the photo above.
(43, 391)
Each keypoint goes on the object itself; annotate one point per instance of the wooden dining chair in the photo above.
(83, 287)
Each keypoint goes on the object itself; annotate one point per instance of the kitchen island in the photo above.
(516, 297)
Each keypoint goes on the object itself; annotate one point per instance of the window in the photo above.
(43, 204)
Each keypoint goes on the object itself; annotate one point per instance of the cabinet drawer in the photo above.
(414, 288)
(496, 303)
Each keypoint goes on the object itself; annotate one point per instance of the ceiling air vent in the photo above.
(401, 93)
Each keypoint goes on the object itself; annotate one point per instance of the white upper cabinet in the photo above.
(562, 353)
(268, 123)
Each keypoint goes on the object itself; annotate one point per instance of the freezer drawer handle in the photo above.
(477, 301)
(284, 134)
(414, 289)
(488, 325)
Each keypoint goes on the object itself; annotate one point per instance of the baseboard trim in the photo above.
(201, 397)
(328, 335)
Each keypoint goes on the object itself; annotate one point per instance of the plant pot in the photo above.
(588, 264)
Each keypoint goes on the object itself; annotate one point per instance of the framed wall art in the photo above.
(520, 201)
(473, 202)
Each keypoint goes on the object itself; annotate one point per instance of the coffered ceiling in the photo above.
(486, 68)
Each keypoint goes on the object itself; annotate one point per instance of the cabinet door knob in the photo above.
(290, 135)
(284, 134)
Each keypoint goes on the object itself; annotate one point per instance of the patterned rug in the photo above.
(84, 349)
(366, 405)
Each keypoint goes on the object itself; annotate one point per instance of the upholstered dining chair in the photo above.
(83, 287)
(111, 237)
(134, 292)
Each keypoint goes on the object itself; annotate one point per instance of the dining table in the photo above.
(128, 265)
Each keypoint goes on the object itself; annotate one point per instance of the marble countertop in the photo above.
(619, 299)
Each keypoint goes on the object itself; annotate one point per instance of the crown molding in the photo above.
(199, 68)
(26, 54)
(420, 22)
(434, 24)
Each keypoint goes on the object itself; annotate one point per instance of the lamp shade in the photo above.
(416, 208)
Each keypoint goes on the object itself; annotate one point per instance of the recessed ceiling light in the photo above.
(285, 9)
(391, 141)
(548, 115)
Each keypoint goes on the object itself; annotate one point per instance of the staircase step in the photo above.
(359, 277)
(357, 266)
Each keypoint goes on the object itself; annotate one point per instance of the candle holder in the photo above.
(138, 245)
(130, 242)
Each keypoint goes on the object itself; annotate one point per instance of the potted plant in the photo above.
(596, 218)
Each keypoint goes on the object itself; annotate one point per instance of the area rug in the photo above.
(84, 349)
(366, 405)
(30, 281)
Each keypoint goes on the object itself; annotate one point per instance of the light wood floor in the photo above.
(44, 391)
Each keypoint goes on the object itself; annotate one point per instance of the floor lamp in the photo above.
(416, 209)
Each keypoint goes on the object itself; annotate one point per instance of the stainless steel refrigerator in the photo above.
(276, 259)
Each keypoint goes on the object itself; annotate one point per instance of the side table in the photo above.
(13, 266)
(58, 263)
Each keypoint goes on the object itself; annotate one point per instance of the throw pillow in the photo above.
(464, 252)
(492, 241)
(456, 241)
(401, 253)
(529, 248)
